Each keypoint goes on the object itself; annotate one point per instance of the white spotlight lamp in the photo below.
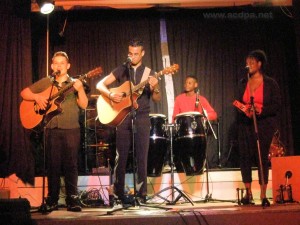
(46, 6)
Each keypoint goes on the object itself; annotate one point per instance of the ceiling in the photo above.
(142, 4)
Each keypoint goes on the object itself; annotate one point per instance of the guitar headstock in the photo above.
(170, 70)
(94, 72)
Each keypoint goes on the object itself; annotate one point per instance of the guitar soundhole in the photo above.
(42, 112)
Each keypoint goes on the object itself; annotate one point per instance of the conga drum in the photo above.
(158, 144)
(190, 142)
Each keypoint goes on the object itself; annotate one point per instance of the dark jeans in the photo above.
(124, 145)
(62, 154)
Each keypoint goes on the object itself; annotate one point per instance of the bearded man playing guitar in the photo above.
(133, 70)
(62, 132)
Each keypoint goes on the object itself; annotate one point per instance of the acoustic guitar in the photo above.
(30, 113)
(113, 113)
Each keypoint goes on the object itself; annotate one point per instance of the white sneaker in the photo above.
(117, 206)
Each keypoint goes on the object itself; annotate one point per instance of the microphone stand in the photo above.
(133, 131)
(43, 207)
(135, 202)
(198, 103)
(264, 201)
(133, 128)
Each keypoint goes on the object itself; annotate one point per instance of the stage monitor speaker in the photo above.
(15, 212)
(285, 171)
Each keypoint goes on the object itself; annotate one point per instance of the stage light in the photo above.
(46, 6)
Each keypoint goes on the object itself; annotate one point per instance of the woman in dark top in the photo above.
(266, 98)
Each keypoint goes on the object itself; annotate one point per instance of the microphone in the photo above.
(247, 68)
(197, 98)
(128, 61)
(56, 73)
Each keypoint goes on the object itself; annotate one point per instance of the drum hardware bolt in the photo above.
(177, 127)
(194, 125)
(165, 127)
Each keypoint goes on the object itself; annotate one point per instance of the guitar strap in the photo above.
(146, 74)
(144, 77)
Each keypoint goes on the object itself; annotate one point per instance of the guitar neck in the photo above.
(142, 84)
(66, 88)
(168, 70)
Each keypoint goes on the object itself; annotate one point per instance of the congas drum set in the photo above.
(186, 140)
(158, 144)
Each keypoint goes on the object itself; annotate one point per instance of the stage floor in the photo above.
(221, 209)
(206, 213)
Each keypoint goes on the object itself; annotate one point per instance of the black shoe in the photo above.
(265, 202)
(247, 200)
(46, 208)
(52, 207)
(74, 208)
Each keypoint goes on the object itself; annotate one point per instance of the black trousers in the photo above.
(62, 147)
(249, 152)
(123, 147)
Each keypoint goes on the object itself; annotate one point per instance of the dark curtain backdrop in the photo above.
(213, 50)
(15, 73)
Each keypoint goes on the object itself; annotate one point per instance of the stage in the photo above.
(219, 183)
(212, 202)
(209, 213)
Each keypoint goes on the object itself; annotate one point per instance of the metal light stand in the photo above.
(172, 187)
(43, 208)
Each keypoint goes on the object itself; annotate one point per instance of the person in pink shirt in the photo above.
(186, 102)
(191, 101)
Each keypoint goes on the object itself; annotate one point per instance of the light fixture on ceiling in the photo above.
(46, 6)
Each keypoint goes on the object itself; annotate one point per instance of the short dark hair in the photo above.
(136, 42)
(260, 56)
(192, 76)
(61, 53)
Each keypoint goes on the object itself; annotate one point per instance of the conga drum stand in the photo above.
(173, 189)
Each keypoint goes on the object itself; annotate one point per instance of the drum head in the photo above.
(157, 115)
(188, 114)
